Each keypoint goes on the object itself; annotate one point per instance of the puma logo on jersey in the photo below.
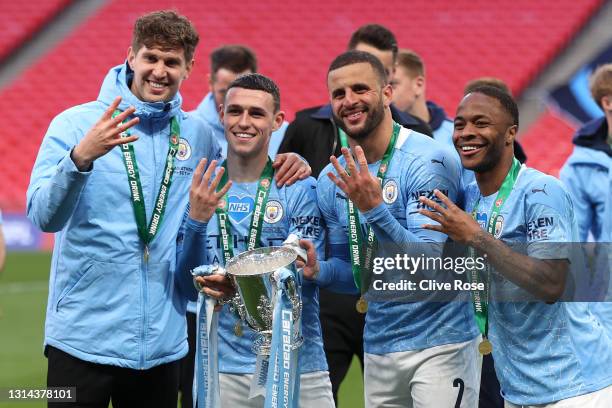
(539, 190)
(439, 162)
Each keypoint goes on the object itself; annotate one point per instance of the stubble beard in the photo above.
(375, 117)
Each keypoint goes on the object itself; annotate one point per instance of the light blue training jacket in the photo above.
(587, 173)
(106, 305)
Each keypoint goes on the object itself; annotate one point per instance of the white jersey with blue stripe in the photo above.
(543, 352)
(291, 209)
(419, 165)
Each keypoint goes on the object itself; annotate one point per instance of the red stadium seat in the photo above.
(295, 42)
(548, 143)
(20, 20)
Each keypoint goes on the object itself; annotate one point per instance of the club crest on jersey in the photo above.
(499, 226)
(274, 212)
(184, 150)
(240, 208)
(390, 192)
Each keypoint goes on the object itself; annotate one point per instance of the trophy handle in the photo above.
(293, 242)
(206, 270)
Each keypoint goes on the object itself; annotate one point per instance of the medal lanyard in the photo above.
(354, 227)
(128, 154)
(480, 299)
(261, 198)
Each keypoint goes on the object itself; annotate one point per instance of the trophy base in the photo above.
(262, 345)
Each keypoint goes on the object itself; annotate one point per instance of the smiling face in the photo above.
(484, 132)
(249, 119)
(158, 73)
(358, 99)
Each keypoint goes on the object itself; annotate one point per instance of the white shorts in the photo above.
(597, 399)
(446, 376)
(315, 391)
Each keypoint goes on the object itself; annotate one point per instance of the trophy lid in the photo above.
(260, 261)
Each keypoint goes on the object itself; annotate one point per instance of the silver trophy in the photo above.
(254, 275)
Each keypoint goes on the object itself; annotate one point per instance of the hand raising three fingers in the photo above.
(203, 197)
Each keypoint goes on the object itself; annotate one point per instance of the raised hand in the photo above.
(290, 168)
(203, 197)
(361, 187)
(103, 136)
(454, 222)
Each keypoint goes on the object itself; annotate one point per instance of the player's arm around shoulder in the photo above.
(202, 137)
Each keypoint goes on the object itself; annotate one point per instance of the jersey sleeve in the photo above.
(549, 220)
(418, 180)
(190, 253)
(335, 271)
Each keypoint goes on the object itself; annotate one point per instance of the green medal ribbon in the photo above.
(145, 233)
(359, 262)
(257, 219)
(480, 298)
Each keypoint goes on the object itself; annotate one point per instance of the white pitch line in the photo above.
(23, 287)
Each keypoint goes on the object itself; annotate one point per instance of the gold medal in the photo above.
(485, 347)
(362, 305)
(238, 329)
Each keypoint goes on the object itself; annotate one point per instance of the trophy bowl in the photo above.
(254, 275)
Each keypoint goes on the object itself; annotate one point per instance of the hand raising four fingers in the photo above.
(104, 135)
(203, 197)
(361, 187)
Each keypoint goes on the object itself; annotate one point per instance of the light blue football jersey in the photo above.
(291, 209)
(419, 165)
(543, 352)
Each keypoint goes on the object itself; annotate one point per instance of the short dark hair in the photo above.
(505, 100)
(377, 36)
(236, 58)
(165, 29)
(411, 62)
(486, 81)
(356, 57)
(258, 82)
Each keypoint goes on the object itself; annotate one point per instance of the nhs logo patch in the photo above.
(240, 208)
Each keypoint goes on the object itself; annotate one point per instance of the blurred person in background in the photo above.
(409, 95)
(587, 173)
